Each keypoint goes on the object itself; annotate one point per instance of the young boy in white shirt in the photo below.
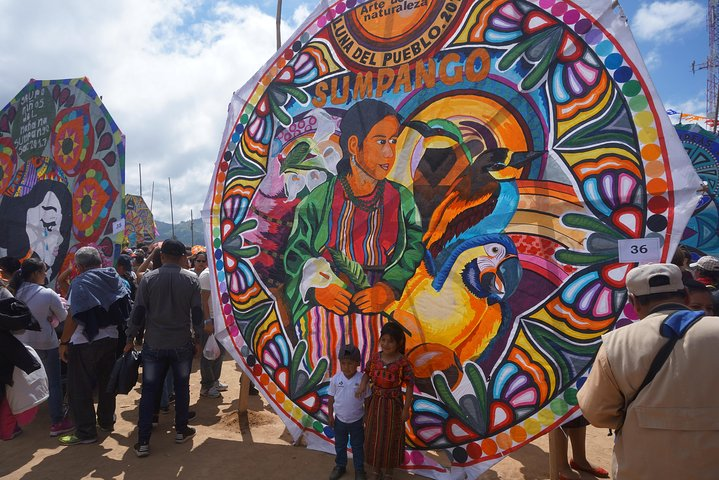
(346, 412)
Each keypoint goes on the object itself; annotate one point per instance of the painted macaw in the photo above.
(461, 306)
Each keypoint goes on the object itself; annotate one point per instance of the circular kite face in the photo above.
(57, 139)
(467, 169)
(702, 147)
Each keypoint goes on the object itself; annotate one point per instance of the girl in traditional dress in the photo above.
(388, 407)
(360, 219)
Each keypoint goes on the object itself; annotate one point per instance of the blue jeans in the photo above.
(168, 388)
(355, 433)
(51, 362)
(155, 365)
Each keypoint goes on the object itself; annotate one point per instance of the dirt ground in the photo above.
(226, 446)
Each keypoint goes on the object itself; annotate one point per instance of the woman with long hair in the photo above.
(40, 223)
(359, 218)
(28, 286)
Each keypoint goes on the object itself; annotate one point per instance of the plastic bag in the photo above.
(212, 349)
(28, 389)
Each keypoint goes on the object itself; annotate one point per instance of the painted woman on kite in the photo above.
(355, 242)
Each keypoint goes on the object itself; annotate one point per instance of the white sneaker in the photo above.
(211, 392)
(221, 387)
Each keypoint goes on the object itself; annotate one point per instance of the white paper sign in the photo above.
(640, 250)
(118, 226)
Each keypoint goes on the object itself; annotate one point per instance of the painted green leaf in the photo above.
(317, 375)
(349, 267)
(300, 95)
(577, 220)
(297, 356)
(301, 157)
(445, 394)
(279, 112)
(580, 258)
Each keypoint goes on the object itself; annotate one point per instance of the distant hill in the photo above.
(182, 232)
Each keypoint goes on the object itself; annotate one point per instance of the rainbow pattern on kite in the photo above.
(531, 144)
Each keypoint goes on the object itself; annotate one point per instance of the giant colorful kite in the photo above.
(476, 166)
(139, 221)
(62, 173)
(703, 149)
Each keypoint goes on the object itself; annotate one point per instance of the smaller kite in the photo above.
(139, 222)
(703, 149)
(62, 174)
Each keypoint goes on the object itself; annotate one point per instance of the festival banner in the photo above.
(473, 168)
(62, 174)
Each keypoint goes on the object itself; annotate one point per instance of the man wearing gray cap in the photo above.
(652, 381)
(167, 307)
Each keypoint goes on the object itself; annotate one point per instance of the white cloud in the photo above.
(662, 21)
(166, 70)
(653, 59)
(695, 105)
(300, 14)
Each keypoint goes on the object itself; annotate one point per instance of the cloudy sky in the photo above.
(167, 68)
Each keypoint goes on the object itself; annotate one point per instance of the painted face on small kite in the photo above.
(43, 228)
(376, 155)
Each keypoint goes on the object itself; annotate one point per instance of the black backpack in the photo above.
(15, 315)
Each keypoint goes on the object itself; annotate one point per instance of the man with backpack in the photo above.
(653, 381)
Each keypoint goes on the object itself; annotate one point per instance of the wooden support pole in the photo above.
(555, 448)
(244, 399)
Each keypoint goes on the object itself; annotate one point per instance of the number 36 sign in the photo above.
(639, 250)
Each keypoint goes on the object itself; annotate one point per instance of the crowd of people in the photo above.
(156, 298)
(650, 381)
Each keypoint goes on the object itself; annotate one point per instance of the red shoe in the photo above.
(59, 428)
(17, 431)
(598, 472)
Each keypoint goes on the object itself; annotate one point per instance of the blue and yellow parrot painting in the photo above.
(470, 267)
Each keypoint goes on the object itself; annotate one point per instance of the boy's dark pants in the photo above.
(355, 433)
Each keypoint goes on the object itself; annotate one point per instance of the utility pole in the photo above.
(278, 22)
(172, 213)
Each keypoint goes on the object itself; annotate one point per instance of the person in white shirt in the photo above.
(99, 301)
(346, 413)
(210, 370)
(46, 307)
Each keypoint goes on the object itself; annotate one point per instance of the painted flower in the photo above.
(309, 161)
